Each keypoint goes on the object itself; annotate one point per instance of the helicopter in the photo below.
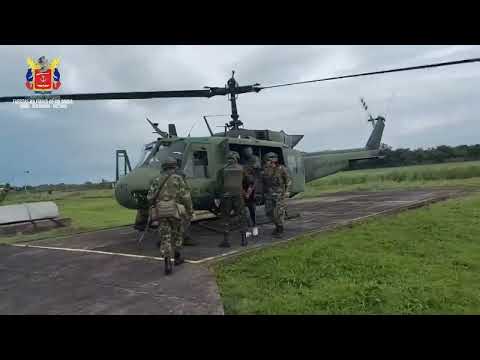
(201, 158)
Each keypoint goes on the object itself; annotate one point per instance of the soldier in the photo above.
(170, 200)
(276, 185)
(252, 168)
(231, 179)
(141, 219)
(186, 221)
(142, 213)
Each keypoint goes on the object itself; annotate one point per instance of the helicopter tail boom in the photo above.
(323, 163)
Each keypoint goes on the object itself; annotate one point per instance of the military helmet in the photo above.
(169, 163)
(233, 155)
(270, 156)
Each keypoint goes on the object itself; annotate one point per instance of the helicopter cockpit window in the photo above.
(145, 151)
(197, 166)
(154, 155)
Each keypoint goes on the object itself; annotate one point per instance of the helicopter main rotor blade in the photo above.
(207, 93)
(447, 63)
(118, 95)
(214, 91)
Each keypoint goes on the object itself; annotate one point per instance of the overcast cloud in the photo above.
(423, 108)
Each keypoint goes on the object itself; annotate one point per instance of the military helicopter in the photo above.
(201, 158)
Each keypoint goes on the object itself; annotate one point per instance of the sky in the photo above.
(423, 108)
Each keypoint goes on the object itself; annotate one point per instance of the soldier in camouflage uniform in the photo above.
(141, 219)
(276, 185)
(186, 221)
(170, 200)
(142, 213)
(231, 180)
(252, 166)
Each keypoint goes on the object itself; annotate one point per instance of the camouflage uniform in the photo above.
(252, 166)
(170, 227)
(141, 219)
(142, 213)
(185, 225)
(276, 185)
(231, 179)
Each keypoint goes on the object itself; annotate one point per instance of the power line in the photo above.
(458, 62)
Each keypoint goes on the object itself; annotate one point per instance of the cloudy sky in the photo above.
(423, 108)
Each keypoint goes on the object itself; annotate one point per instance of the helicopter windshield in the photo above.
(145, 151)
(155, 153)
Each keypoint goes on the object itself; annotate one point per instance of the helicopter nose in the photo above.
(136, 181)
(123, 194)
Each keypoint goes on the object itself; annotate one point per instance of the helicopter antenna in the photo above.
(208, 125)
(195, 123)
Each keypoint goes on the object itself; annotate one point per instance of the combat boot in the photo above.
(277, 232)
(225, 243)
(244, 241)
(168, 265)
(178, 259)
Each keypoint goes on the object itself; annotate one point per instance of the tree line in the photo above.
(420, 156)
(88, 185)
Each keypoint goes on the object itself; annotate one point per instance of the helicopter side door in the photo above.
(296, 170)
(199, 168)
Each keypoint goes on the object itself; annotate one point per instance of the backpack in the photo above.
(164, 204)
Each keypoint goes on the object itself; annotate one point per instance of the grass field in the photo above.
(464, 174)
(97, 209)
(424, 261)
(89, 210)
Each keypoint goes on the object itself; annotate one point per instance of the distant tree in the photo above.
(404, 156)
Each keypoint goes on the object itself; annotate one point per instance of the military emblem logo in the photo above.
(43, 76)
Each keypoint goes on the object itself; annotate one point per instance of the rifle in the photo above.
(147, 228)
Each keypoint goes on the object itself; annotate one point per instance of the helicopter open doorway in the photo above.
(258, 151)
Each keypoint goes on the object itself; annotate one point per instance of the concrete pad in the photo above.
(105, 272)
(314, 214)
(40, 281)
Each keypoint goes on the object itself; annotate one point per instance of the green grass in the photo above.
(424, 261)
(21, 196)
(465, 174)
(88, 209)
